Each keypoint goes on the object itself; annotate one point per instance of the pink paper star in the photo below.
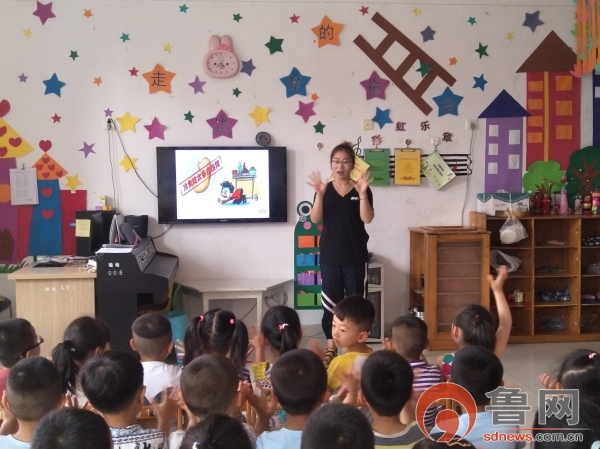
(133, 71)
(222, 125)
(156, 129)
(44, 12)
(364, 10)
(56, 118)
(375, 86)
(305, 110)
(197, 85)
(87, 149)
(294, 18)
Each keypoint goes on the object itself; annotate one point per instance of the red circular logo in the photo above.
(447, 420)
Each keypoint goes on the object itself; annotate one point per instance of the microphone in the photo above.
(129, 233)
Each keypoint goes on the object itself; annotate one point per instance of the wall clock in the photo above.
(220, 61)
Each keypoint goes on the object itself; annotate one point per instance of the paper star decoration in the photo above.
(453, 61)
(319, 127)
(295, 83)
(87, 13)
(247, 67)
(127, 122)
(155, 130)
(532, 20)
(128, 163)
(188, 116)
(375, 86)
(259, 115)
(183, 8)
(382, 117)
(274, 45)
(364, 10)
(327, 32)
(167, 47)
(133, 71)
(480, 82)
(222, 125)
(27, 33)
(482, 50)
(424, 68)
(44, 12)
(427, 34)
(73, 182)
(510, 35)
(159, 79)
(294, 18)
(472, 21)
(98, 81)
(237, 17)
(124, 37)
(87, 149)
(448, 102)
(56, 118)
(108, 112)
(23, 78)
(197, 85)
(53, 85)
(305, 110)
(236, 92)
(74, 55)
(416, 11)
(314, 97)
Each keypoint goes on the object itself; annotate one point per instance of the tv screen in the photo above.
(221, 184)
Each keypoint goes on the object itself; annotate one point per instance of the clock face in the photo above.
(222, 63)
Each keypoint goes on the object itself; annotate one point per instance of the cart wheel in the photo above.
(255, 197)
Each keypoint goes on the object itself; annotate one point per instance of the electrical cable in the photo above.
(112, 170)
(468, 189)
(160, 235)
(253, 307)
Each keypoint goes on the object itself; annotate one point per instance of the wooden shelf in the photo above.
(554, 304)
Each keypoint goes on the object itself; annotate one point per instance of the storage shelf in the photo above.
(555, 275)
(562, 332)
(555, 304)
(555, 247)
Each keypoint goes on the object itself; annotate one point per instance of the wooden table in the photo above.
(50, 298)
(215, 289)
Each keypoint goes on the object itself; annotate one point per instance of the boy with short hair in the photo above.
(34, 388)
(337, 426)
(409, 339)
(352, 320)
(299, 382)
(113, 382)
(152, 340)
(479, 371)
(386, 387)
(17, 340)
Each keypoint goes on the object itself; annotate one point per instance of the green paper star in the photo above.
(189, 116)
(424, 69)
(274, 45)
(472, 21)
(124, 37)
(237, 17)
(236, 92)
(319, 127)
(183, 8)
(482, 50)
(74, 55)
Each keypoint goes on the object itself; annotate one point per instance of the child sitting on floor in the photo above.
(34, 388)
(114, 384)
(217, 431)
(300, 386)
(152, 340)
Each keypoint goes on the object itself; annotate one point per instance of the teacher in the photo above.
(344, 206)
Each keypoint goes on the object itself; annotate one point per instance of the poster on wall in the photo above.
(379, 160)
(408, 166)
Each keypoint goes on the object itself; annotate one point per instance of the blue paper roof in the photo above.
(504, 106)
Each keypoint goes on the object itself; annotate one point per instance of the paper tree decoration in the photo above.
(553, 100)
(583, 173)
(586, 29)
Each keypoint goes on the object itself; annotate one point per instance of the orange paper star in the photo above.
(98, 81)
(453, 61)
(314, 97)
(88, 13)
(327, 32)
(159, 79)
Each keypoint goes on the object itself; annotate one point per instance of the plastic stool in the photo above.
(5, 303)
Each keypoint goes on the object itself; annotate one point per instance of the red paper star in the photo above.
(55, 118)
(133, 71)
(294, 18)
(364, 10)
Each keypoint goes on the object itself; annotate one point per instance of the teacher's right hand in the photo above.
(315, 181)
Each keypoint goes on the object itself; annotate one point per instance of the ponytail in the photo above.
(281, 327)
(581, 370)
(239, 346)
(62, 356)
(193, 343)
(477, 326)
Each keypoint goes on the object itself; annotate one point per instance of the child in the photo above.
(210, 384)
(300, 385)
(216, 432)
(474, 325)
(479, 371)
(409, 339)
(114, 384)
(17, 340)
(218, 332)
(352, 320)
(72, 428)
(588, 427)
(280, 332)
(152, 340)
(337, 426)
(85, 337)
(34, 388)
(454, 443)
(386, 385)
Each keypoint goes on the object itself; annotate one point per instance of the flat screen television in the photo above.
(221, 184)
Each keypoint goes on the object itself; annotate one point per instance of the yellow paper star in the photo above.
(88, 13)
(259, 115)
(416, 11)
(127, 122)
(98, 81)
(510, 35)
(128, 163)
(167, 47)
(159, 79)
(314, 97)
(327, 32)
(27, 32)
(73, 182)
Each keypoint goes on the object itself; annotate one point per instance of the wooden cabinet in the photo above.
(448, 269)
(559, 277)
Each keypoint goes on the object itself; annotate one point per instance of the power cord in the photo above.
(468, 189)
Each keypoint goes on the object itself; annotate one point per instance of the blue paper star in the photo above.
(247, 67)
(427, 34)
(53, 85)
(448, 102)
(382, 117)
(480, 82)
(532, 20)
(295, 83)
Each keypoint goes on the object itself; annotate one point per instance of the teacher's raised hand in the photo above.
(363, 182)
(315, 181)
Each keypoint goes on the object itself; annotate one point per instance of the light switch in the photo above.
(367, 124)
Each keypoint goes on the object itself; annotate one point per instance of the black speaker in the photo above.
(139, 224)
(99, 228)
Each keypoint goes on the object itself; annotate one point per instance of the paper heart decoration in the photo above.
(47, 214)
(45, 145)
(59, 173)
(51, 167)
(45, 175)
(15, 141)
(39, 166)
(45, 159)
(4, 107)
(47, 191)
(2, 130)
(3, 151)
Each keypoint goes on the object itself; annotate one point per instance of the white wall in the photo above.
(262, 250)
